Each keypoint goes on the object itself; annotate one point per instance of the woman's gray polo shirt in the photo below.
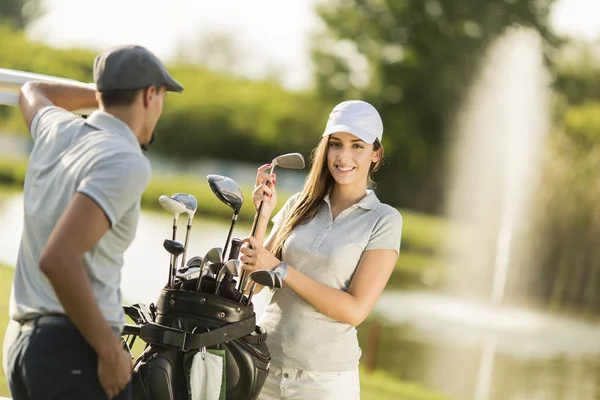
(328, 251)
(101, 158)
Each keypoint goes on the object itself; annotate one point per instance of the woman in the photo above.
(335, 245)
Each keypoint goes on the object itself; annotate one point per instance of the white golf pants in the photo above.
(293, 384)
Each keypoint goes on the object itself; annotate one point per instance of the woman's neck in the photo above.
(342, 197)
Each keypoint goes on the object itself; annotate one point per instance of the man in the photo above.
(82, 196)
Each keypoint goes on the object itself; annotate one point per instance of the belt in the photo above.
(54, 320)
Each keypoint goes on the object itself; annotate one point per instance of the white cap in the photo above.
(356, 117)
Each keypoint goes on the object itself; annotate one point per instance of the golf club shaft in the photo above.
(233, 220)
(185, 245)
(251, 293)
(260, 207)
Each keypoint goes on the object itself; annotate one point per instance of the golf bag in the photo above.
(185, 322)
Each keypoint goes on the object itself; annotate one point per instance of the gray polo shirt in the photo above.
(101, 158)
(327, 251)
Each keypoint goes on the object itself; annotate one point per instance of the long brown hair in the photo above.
(319, 183)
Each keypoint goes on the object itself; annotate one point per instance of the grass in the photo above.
(6, 277)
(374, 386)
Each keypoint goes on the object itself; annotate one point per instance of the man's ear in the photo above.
(148, 95)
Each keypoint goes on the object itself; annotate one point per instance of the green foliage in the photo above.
(413, 60)
(19, 13)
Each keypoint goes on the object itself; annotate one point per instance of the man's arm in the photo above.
(80, 227)
(36, 95)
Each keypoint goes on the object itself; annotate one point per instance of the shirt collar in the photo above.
(104, 121)
(369, 202)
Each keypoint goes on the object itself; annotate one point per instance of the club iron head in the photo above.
(226, 190)
(214, 255)
(289, 161)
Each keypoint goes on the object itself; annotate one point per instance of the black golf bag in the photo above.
(185, 322)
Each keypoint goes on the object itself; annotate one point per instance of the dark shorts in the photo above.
(53, 361)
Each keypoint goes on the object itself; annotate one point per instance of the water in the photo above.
(430, 338)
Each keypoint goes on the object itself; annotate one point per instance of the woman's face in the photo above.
(349, 159)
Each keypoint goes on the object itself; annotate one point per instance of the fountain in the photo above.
(500, 135)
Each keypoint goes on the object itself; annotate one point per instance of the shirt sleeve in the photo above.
(387, 233)
(278, 218)
(116, 183)
(47, 118)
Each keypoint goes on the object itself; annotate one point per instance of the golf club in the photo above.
(214, 256)
(173, 206)
(175, 249)
(228, 191)
(231, 267)
(266, 278)
(191, 205)
(289, 161)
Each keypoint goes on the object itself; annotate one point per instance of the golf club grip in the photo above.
(234, 253)
(259, 212)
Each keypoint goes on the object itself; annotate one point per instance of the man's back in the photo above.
(100, 158)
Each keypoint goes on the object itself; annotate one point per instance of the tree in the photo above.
(413, 60)
(20, 13)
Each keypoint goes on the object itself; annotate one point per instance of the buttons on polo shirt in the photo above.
(286, 375)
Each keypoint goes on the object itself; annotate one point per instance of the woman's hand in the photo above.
(265, 193)
(255, 257)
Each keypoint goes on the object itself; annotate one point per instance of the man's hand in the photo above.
(114, 371)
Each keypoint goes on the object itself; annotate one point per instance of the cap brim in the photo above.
(173, 86)
(360, 133)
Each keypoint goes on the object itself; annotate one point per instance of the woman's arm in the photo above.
(352, 306)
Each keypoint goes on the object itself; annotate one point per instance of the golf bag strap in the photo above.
(176, 338)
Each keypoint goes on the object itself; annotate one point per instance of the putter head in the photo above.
(226, 190)
(195, 261)
(172, 205)
(266, 278)
(173, 247)
(289, 161)
(189, 201)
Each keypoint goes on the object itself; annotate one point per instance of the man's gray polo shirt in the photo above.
(327, 251)
(101, 158)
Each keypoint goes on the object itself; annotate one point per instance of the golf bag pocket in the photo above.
(158, 374)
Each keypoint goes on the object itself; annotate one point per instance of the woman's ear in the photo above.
(376, 155)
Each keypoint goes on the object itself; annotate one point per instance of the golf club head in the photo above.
(289, 161)
(173, 247)
(214, 255)
(266, 278)
(172, 205)
(226, 190)
(233, 267)
(213, 268)
(195, 261)
(189, 201)
(191, 273)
